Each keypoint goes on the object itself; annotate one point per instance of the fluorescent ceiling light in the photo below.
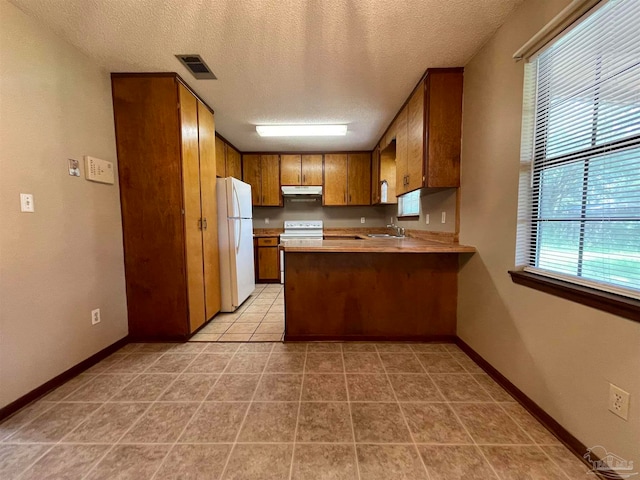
(301, 130)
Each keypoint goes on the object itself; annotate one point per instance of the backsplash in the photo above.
(432, 203)
(348, 217)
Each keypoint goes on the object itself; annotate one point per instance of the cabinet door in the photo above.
(335, 179)
(401, 153)
(311, 169)
(415, 139)
(270, 171)
(207, 146)
(192, 211)
(375, 176)
(221, 156)
(444, 128)
(268, 263)
(291, 170)
(359, 179)
(251, 175)
(234, 167)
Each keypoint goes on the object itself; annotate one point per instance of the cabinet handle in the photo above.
(199, 224)
(304, 178)
(298, 178)
(204, 224)
(263, 199)
(349, 197)
(345, 197)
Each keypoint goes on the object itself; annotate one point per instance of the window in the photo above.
(579, 214)
(409, 204)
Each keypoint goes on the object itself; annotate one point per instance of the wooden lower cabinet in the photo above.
(167, 170)
(267, 260)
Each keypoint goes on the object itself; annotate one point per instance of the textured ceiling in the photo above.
(284, 61)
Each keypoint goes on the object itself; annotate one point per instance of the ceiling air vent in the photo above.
(197, 67)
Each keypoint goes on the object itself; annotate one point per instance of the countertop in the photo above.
(376, 245)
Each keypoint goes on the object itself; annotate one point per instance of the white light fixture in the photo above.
(301, 130)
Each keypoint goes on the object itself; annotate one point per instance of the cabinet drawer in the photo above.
(268, 242)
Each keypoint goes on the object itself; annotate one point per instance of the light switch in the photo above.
(26, 203)
(362, 219)
(266, 220)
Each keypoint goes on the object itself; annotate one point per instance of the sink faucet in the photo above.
(399, 230)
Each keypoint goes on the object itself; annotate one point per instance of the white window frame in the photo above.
(409, 204)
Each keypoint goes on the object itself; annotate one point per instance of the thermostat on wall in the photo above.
(97, 170)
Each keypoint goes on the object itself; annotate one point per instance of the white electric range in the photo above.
(299, 230)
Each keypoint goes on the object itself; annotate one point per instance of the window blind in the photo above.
(409, 204)
(579, 206)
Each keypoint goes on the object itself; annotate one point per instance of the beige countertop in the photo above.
(375, 245)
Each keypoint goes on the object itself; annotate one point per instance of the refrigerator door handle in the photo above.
(239, 236)
(237, 200)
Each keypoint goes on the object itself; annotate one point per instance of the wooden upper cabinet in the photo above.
(221, 155)
(251, 175)
(359, 179)
(415, 140)
(443, 105)
(270, 172)
(401, 152)
(234, 165)
(375, 176)
(291, 170)
(311, 169)
(335, 180)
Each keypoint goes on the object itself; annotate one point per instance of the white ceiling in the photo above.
(284, 61)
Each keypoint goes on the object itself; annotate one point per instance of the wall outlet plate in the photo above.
(619, 401)
(426, 219)
(266, 221)
(444, 217)
(95, 316)
(26, 203)
(362, 219)
(97, 170)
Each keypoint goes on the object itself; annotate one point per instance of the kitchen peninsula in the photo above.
(371, 289)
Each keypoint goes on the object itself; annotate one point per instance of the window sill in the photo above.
(408, 217)
(609, 302)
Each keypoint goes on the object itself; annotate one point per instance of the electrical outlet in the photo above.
(26, 203)
(426, 219)
(266, 220)
(95, 316)
(444, 217)
(361, 219)
(618, 401)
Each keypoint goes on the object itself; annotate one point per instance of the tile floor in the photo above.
(259, 319)
(271, 411)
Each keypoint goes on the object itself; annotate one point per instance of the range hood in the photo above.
(302, 191)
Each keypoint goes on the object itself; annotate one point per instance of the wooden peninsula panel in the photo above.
(370, 296)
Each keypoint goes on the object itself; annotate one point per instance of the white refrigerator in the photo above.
(235, 234)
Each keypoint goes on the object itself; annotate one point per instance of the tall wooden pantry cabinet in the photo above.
(167, 169)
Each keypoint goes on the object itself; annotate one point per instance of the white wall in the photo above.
(561, 354)
(64, 260)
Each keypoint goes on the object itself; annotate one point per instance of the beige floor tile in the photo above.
(290, 347)
(434, 423)
(215, 423)
(186, 347)
(190, 387)
(268, 294)
(279, 387)
(242, 328)
(393, 347)
(194, 461)
(259, 462)
(205, 337)
(273, 317)
(266, 337)
(369, 388)
(496, 392)
(270, 422)
(54, 424)
(255, 348)
(324, 387)
(221, 348)
(257, 308)
(225, 318)
(514, 463)
(379, 423)
(401, 363)
(129, 462)
(270, 327)
(135, 363)
(234, 337)
(359, 347)
(162, 423)
(357, 362)
(330, 347)
(571, 465)
(489, 424)
(455, 462)
(324, 422)
(278, 301)
(428, 347)
(14, 423)
(530, 425)
(215, 327)
(108, 423)
(460, 388)
(318, 362)
(234, 387)
(439, 363)
(209, 363)
(69, 387)
(65, 462)
(263, 301)
(324, 461)
(250, 318)
(172, 363)
(248, 363)
(468, 364)
(286, 362)
(411, 387)
(14, 459)
(276, 309)
(385, 462)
